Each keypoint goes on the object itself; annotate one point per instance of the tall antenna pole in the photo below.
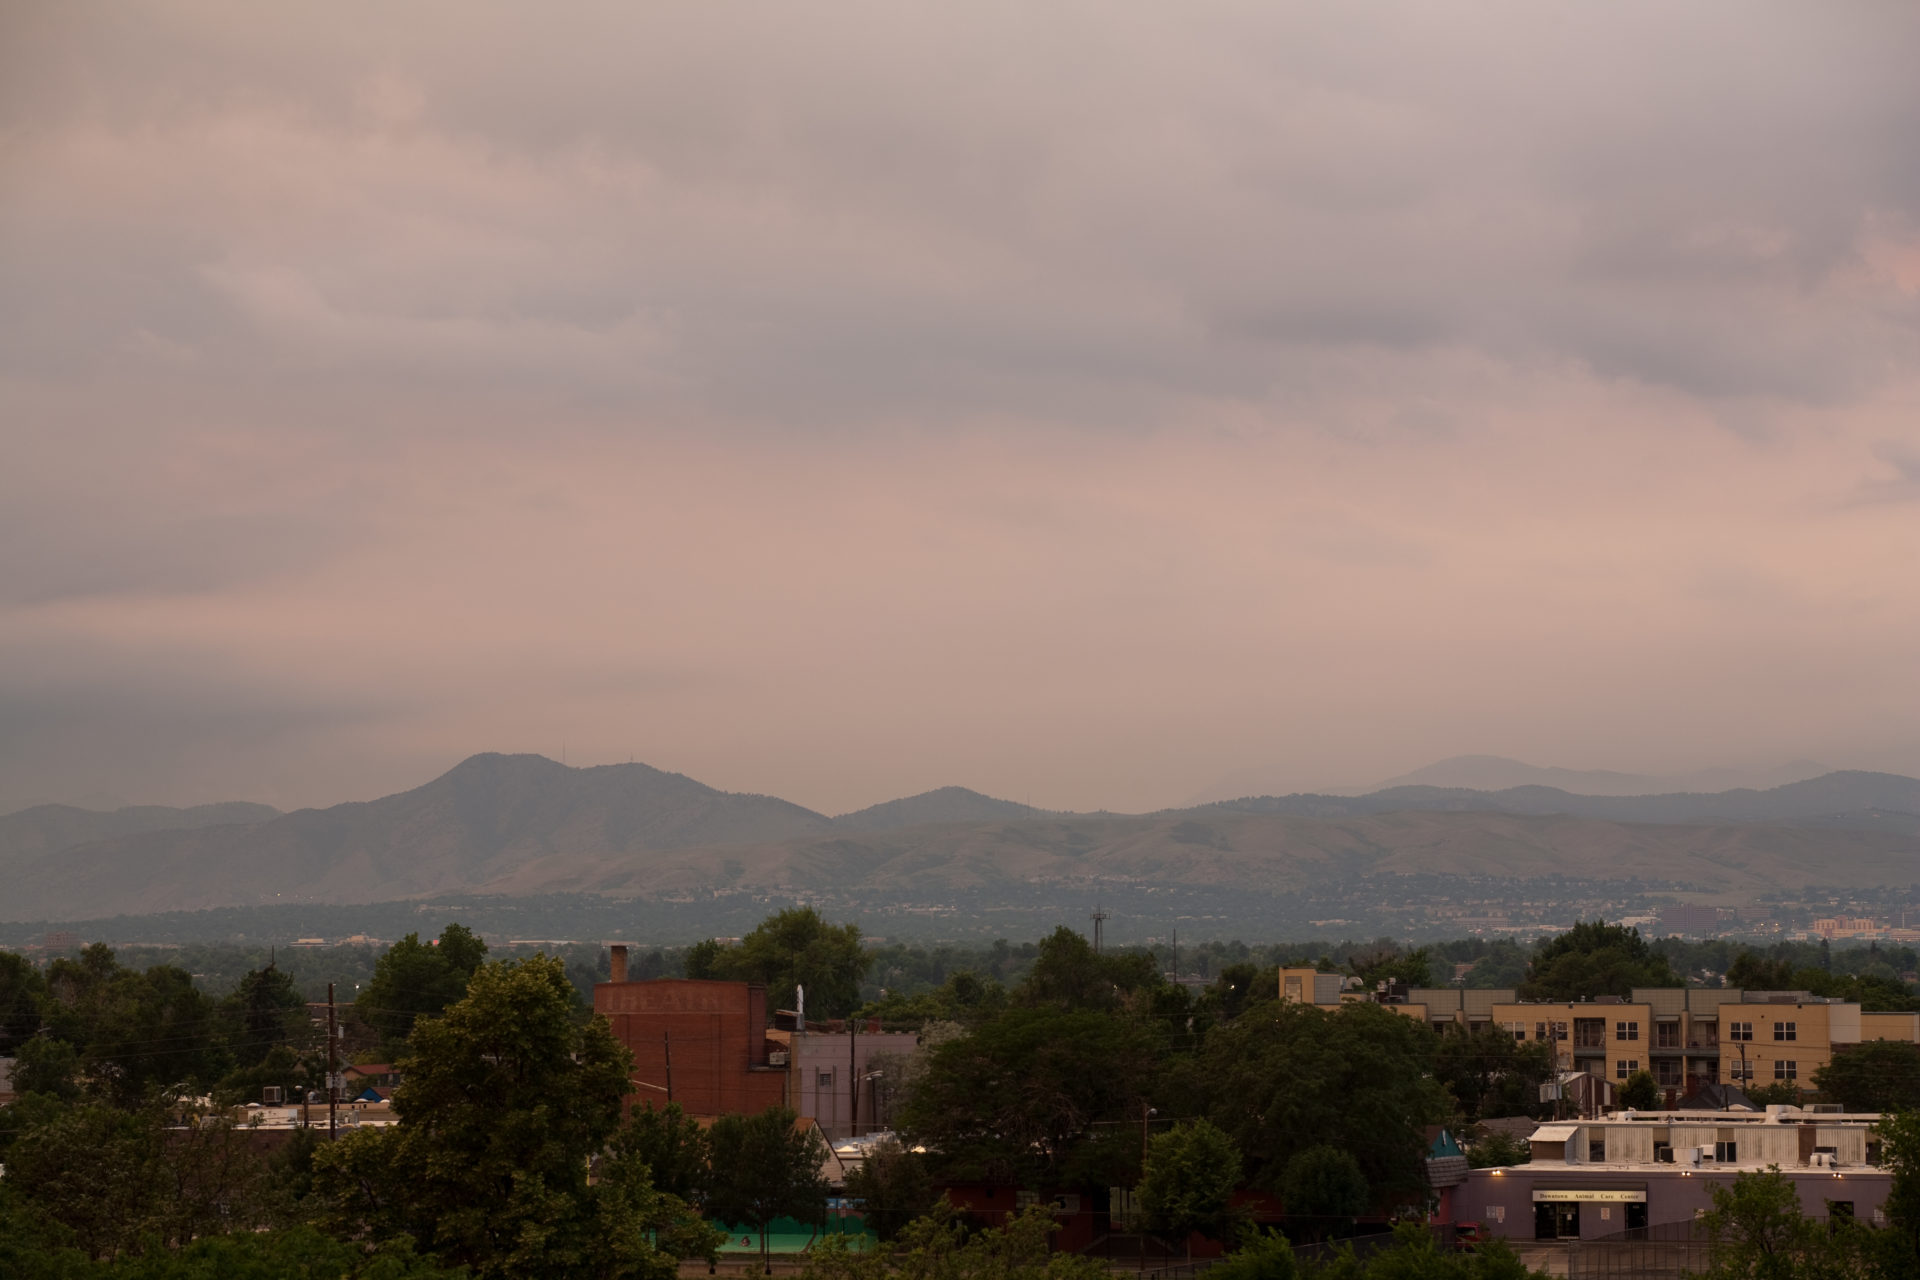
(1099, 919)
(333, 1067)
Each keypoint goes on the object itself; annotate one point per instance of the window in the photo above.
(1539, 1031)
(824, 1080)
(1739, 1031)
(1726, 1152)
(1519, 1029)
(1596, 1152)
(1666, 1035)
(1626, 1031)
(1786, 1071)
(1667, 1071)
(1625, 1067)
(1739, 1071)
(1785, 1031)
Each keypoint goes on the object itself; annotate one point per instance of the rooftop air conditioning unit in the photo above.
(1693, 1155)
(270, 1095)
(1821, 1160)
(778, 1058)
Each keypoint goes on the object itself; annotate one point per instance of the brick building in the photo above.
(701, 1044)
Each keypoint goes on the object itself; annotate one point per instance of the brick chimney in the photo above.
(618, 952)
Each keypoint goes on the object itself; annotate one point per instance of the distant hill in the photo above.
(1266, 853)
(527, 825)
(1497, 773)
(1865, 795)
(49, 828)
(476, 822)
(948, 804)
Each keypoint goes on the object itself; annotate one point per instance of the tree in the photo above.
(265, 1011)
(1641, 1092)
(672, 1147)
(415, 980)
(1756, 1231)
(22, 989)
(505, 1098)
(1755, 972)
(1285, 1077)
(937, 1248)
(1900, 1154)
(1324, 1182)
(1018, 1099)
(47, 1066)
(765, 1167)
(1385, 961)
(1070, 974)
(1489, 1073)
(791, 949)
(1265, 1255)
(1595, 958)
(895, 1186)
(1191, 1173)
(1498, 1150)
(1876, 1075)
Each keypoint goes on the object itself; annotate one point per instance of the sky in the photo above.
(1097, 404)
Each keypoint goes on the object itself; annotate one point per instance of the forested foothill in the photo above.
(1047, 1067)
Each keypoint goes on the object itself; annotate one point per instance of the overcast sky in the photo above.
(1091, 403)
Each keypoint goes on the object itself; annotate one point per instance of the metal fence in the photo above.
(1665, 1252)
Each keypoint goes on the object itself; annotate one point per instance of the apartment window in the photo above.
(824, 1080)
(1739, 1071)
(1519, 1030)
(1667, 1071)
(1726, 1152)
(1666, 1035)
(1559, 1031)
(1626, 1031)
(1786, 1071)
(1786, 1031)
(1625, 1067)
(1739, 1031)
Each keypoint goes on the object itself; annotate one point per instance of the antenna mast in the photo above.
(1099, 919)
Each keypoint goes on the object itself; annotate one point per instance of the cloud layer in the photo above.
(1084, 405)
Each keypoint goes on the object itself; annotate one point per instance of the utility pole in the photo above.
(853, 1075)
(333, 1066)
(667, 1040)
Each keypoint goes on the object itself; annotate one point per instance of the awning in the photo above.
(1554, 1132)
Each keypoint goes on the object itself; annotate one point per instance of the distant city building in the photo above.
(1693, 918)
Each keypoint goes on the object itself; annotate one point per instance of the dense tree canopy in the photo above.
(1285, 1077)
(765, 1167)
(416, 979)
(1192, 1171)
(1878, 1075)
(791, 949)
(505, 1097)
(1595, 958)
(1489, 1073)
(1035, 1097)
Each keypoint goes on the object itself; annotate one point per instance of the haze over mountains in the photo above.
(526, 824)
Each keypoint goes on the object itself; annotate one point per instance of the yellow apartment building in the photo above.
(1684, 1036)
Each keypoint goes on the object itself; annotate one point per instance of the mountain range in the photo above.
(525, 824)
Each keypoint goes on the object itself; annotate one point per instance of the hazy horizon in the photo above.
(1089, 406)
